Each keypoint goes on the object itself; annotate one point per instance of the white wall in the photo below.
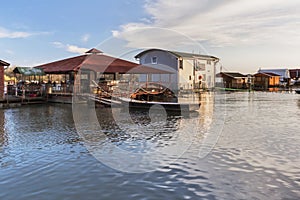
(185, 74)
(205, 74)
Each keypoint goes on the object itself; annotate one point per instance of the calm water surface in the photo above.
(257, 155)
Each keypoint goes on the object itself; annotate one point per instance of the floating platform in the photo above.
(11, 101)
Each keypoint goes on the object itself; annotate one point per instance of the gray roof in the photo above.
(191, 55)
(179, 54)
(232, 74)
(266, 73)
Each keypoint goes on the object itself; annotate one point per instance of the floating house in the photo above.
(265, 81)
(3, 64)
(189, 71)
(283, 73)
(295, 76)
(232, 80)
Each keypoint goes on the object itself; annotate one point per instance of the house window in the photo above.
(200, 66)
(209, 62)
(180, 64)
(154, 60)
(190, 78)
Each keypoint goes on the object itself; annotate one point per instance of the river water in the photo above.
(237, 146)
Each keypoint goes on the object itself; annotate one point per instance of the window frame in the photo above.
(154, 59)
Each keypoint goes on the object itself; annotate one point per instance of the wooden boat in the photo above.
(154, 92)
(152, 95)
(156, 96)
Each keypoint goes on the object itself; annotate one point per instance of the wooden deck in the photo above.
(60, 98)
(15, 101)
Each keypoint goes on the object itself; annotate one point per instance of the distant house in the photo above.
(189, 70)
(3, 64)
(233, 80)
(264, 81)
(283, 73)
(295, 74)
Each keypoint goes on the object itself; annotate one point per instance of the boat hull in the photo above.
(169, 107)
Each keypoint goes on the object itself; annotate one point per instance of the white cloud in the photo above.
(5, 33)
(219, 22)
(70, 48)
(76, 49)
(85, 38)
(58, 44)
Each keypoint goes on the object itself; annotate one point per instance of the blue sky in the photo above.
(29, 29)
(245, 34)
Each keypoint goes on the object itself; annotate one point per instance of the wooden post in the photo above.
(1, 82)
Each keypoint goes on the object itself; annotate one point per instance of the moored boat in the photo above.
(157, 96)
(168, 106)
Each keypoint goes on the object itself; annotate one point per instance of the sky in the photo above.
(245, 35)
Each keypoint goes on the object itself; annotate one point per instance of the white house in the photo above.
(189, 70)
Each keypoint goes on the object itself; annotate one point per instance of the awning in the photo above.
(28, 71)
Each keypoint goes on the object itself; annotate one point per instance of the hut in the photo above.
(232, 80)
(284, 75)
(265, 81)
(3, 64)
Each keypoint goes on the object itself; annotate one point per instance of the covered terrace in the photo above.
(80, 72)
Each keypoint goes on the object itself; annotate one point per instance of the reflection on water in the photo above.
(2, 133)
(150, 138)
(256, 157)
(147, 128)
